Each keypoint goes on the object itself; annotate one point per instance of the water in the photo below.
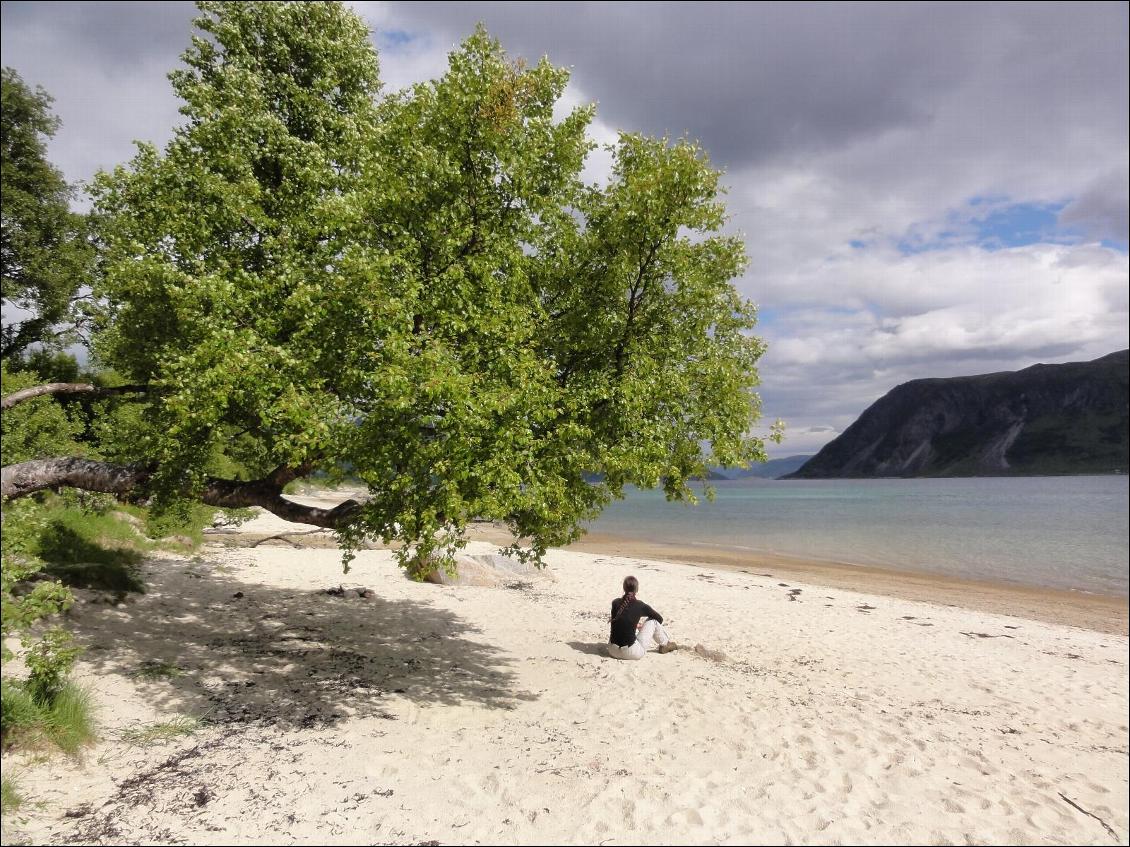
(1055, 532)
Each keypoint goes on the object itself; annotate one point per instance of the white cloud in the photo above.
(965, 311)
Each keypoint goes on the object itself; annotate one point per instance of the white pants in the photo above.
(649, 635)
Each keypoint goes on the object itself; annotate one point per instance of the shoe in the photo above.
(668, 647)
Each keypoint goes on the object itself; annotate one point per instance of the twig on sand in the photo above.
(284, 536)
(986, 635)
(1106, 826)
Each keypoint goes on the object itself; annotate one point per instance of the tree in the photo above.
(418, 287)
(44, 255)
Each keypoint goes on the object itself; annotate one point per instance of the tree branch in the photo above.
(53, 388)
(122, 481)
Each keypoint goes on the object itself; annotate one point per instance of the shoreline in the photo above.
(1098, 612)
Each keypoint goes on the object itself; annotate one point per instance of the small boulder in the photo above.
(126, 518)
(490, 570)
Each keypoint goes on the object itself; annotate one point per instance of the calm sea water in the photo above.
(1057, 532)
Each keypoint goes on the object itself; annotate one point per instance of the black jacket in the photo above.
(624, 627)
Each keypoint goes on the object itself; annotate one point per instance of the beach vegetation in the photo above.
(160, 732)
(419, 286)
(61, 716)
(154, 669)
(10, 798)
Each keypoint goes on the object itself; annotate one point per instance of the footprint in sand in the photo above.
(684, 817)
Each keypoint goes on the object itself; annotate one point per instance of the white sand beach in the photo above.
(465, 714)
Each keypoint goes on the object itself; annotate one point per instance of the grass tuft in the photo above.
(154, 669)
(70, 718)
(10, 798)
(158, 733)
(67, 721)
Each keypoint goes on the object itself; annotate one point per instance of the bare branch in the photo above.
(69, 388)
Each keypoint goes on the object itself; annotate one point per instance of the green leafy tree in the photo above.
(44, 253)
(416, 286)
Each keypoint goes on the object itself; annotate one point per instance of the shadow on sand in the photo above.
(203, 643)
(587, 647)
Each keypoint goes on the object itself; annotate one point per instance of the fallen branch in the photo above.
(285, 536)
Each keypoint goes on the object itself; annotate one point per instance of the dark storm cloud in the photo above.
(116, 35)
(1103, 209)
(758, 82)
(105, 65)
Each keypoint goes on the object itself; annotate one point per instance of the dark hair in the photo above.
(631, 586)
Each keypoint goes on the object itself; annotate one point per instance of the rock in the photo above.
(490, 570)
(182, 540)
(468, 572)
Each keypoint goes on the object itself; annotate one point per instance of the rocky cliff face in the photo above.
(1046, 419)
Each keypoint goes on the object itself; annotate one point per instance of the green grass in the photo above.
(154, 669)
(320, 483)
(67, 721)
(10, 798)
(162, 731)
(92, 550)
(17, 709)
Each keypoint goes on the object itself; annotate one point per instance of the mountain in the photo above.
(1046, 419)
(773, 469)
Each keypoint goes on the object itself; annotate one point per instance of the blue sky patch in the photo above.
(1022, 223)
(391, 39)
(992, 223)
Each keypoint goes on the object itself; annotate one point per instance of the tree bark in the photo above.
(25, 478)
(54, 388)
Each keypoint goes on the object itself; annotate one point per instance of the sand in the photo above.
(463, 714)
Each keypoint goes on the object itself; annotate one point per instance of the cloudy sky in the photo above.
(925, 190)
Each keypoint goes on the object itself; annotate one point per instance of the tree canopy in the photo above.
(44, 255)
(415, 286)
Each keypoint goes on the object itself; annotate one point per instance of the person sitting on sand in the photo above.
(629, 639)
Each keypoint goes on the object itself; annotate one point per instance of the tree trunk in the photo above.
(122, 481)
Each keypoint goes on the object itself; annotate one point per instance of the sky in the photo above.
(925, 190)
